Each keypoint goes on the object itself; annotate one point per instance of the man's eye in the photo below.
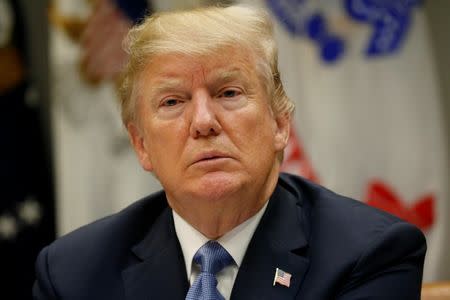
(170, 102)
(229, 93)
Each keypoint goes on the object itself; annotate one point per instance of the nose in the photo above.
(204, 121)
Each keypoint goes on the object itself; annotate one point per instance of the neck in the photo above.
(215, 218)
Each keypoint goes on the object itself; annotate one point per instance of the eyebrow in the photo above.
(228, 75)
(165, 85)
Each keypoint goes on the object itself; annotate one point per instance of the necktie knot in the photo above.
(212, 257)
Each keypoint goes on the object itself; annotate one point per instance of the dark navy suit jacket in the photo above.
(334, 247)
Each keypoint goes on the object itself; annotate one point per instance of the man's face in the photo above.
(205, 128)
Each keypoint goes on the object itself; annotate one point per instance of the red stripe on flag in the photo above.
(421, 213)
(295, 159)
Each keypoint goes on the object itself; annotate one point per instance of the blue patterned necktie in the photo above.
(212, 258)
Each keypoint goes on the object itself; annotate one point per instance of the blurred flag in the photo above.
(368, 110)
(97, 172)
(295, 158)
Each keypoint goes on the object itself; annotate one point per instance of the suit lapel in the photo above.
(278, 242)
(160, 272)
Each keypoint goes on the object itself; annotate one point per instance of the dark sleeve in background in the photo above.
(135, 10)
(27, 220)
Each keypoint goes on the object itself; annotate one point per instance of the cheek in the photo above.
(253, 132)
(166, 142)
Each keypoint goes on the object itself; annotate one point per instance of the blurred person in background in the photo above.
(91, 147)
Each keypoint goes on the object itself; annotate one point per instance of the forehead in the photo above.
(218, 65)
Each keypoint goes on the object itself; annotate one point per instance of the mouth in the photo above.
(210, 157)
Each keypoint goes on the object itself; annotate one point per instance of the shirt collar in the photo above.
(235, 241)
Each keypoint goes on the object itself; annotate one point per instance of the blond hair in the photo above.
(199, 32)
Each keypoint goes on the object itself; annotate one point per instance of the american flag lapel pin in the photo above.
(282, 278)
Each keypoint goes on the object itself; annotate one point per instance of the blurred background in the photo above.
(369, 78)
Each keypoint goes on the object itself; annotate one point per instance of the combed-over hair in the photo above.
(200, 32)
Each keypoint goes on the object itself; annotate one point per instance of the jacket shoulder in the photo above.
(330, 212)
(74, 260)
(124, 227)
(352, 244)
(349, 226)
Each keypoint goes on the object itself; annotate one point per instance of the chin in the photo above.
(218, 185)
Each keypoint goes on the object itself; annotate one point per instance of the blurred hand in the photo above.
(101, 40)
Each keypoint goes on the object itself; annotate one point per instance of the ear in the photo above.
(137, 139)
(283, 127)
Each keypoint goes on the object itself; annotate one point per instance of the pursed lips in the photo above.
(210, 155)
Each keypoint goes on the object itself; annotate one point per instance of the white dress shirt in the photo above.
(235, 242)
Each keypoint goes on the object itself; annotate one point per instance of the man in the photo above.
(206, 113)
